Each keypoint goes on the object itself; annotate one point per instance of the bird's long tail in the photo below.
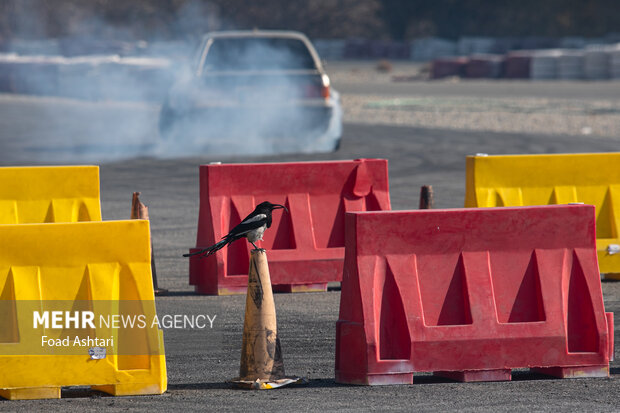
(210, 250)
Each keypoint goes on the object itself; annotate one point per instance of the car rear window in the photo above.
(258, 54)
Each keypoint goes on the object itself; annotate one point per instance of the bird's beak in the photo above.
(278, 206)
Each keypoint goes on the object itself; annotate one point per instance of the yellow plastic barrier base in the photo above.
(526, 180)
(32, 195)
(31, 393)
(35, 393)
(63, 371)
(130, 389)
(101, 268)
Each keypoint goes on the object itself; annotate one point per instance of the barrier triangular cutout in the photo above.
(509, 196)
(605, 223)
(499, 202)
(394, 339)
(9, 330)
(49, 216)
(456, 309)
(563, 195)
(81, 303)
(371, 202)
(528, 303)
(133, 347)
(237, 252)
(83, 214)
(582, 334)
(336, 236)
(285, 235)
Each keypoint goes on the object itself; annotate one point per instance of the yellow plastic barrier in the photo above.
(80, 271)
(49, 194)
(518, 180)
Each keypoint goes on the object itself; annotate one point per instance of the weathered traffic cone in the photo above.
(141, 211)
(262, 364)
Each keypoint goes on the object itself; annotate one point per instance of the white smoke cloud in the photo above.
(105, 106)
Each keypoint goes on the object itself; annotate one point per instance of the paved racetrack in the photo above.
(200, 362)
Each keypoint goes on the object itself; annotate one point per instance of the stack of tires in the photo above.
(614, 62)
(544, 64)
(570, 65)
(596, 63)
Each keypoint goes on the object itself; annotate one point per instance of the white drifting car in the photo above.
(254, 92)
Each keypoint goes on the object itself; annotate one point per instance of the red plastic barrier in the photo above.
(471, 294)
(484, 66)
(448, 66)
(517, 65)
(306, 245)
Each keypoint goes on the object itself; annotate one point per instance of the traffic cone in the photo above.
(426, 197)
(141, 211)
(262, 364)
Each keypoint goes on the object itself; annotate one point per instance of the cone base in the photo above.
(259, 384)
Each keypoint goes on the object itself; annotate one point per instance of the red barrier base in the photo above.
(396, 378)
(374, 379)
(477, 375)
(300, 288)
(573, 372)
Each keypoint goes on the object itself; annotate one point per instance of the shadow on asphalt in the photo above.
(331, 383)
(190, 293)
(179, 294)
(80, 392)
(87, 392)
(201, 386)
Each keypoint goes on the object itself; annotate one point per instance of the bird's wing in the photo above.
(257, 217)
(251, 222)
(247, 225)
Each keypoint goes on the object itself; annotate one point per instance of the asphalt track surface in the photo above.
(201, 362)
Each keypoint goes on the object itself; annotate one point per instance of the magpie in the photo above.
(252, 228)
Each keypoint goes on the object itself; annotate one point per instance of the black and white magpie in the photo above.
(252, 228)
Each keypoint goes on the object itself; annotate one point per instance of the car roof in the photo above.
(283, 34)
(257, 33)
